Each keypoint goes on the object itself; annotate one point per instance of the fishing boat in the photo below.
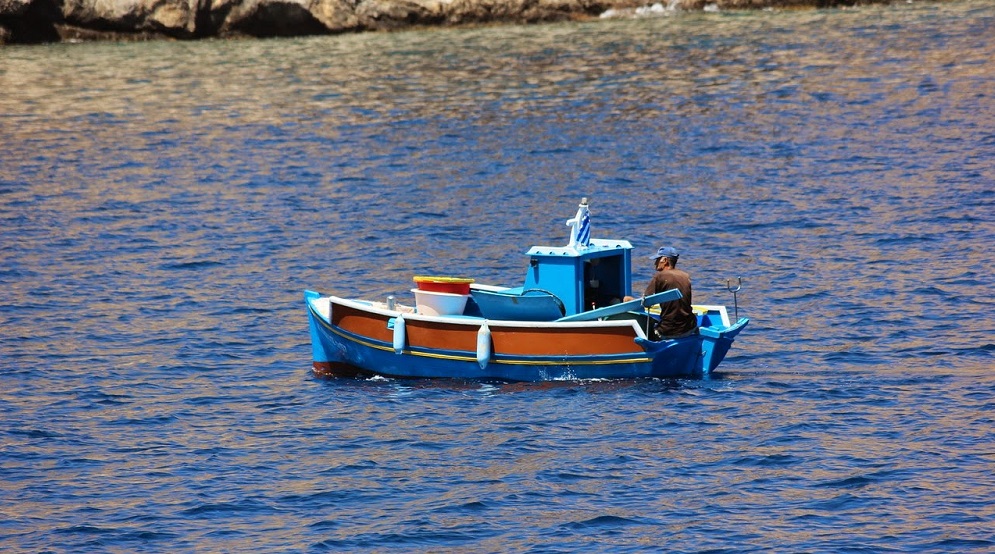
(569, 320)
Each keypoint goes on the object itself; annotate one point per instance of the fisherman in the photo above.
(676, 317)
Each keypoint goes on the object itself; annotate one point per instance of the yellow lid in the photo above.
(453, 280)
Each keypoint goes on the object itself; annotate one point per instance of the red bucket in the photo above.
(452, 285)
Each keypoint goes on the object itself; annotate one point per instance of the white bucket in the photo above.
(439, 303)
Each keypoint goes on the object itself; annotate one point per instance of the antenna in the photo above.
(734, 291)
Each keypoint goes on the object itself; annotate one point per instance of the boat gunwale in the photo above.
(370, 306)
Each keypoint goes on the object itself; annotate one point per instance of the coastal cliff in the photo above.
(34, 21)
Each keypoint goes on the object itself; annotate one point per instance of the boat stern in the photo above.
(715, 343)
(695, 355)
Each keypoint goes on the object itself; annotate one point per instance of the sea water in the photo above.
(164, 204)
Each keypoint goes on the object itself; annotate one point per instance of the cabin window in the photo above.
(604, 281)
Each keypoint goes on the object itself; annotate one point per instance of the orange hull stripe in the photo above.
(362, 323)
(558, 342)
(508, 341)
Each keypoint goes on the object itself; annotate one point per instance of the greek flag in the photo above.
(580, 226)
(584, 232)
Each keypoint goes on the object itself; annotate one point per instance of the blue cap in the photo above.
(665, 252)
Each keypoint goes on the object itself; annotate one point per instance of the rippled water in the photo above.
(163, 206)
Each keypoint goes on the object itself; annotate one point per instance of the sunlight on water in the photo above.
(163, 206)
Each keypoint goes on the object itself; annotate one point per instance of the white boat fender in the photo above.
(399, 334)
(483, 345)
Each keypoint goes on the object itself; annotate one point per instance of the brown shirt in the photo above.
(676, 316)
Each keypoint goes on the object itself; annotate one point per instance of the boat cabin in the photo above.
(563, 281)
(583, 279)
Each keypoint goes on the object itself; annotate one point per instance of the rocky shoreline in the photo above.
(40, 21)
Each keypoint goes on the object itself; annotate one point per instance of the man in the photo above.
(676, 317)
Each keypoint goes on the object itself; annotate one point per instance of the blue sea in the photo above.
(163, 205)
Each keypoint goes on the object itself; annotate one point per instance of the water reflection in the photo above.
(840, 167)
(162, 205)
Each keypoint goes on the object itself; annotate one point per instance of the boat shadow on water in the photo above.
(350, 376)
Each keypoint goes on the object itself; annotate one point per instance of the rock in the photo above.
(267, 18)
(28, 21)
(395, 14)
(13, 8)
(50, 20)
(168, 17)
